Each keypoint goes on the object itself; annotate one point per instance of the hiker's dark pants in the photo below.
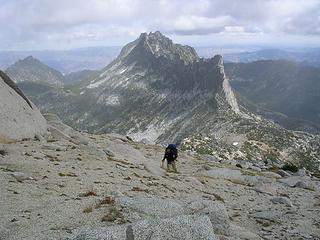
(171, 164)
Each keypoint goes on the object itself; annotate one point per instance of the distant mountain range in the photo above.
(309, 57)
(95, 58)
(32, 70)
(283, 91)
(280, 86)
(65, 61)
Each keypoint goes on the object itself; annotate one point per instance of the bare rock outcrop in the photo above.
(19, 118)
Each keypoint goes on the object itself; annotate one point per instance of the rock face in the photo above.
(32, 70)
(19, 118)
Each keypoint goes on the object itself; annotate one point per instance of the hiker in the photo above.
(171, 155)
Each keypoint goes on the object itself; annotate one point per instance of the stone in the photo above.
(155, 207)
(177, 228)
(254, 168)
(269, 189)
(217, 213)
(54, 147)
(304, 185)
(78, 139)
(271, 175)
(109, 153)
(290, 181)
(242, 233)
(282, 200)
(206, 167)
(301, 173)
(20, 177)
(283, 173)
(271, 215)
(57, 134)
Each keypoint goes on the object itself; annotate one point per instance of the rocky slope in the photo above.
(109, 187)
(31, 69)
(73, 185)
(19, 117)
(83, 75)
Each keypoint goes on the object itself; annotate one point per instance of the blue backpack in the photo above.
(171, 152)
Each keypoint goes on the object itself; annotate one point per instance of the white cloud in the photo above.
(41, 22)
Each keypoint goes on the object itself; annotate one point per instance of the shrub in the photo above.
(88, 210)
(3, 152)
(290, 167)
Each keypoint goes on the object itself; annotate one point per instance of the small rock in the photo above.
(302, 184)
(267, 215)
(271, 175)
(20, 177)
(266, 189)
(283, 173)
(109, 153)
(206, 167)
(282, 200)
(54, 147)
(257, 169)
(301, 173)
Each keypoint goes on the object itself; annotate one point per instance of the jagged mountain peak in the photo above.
(30, 59)
(158, 45)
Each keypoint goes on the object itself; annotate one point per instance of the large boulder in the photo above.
(153, 207)
(180, 227)
(19, 118)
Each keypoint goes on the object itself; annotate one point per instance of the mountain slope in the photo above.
(31, 69)
(83, 75)
(154, 86)
(281, 86)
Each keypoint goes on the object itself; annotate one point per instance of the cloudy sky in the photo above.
(58, 24)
